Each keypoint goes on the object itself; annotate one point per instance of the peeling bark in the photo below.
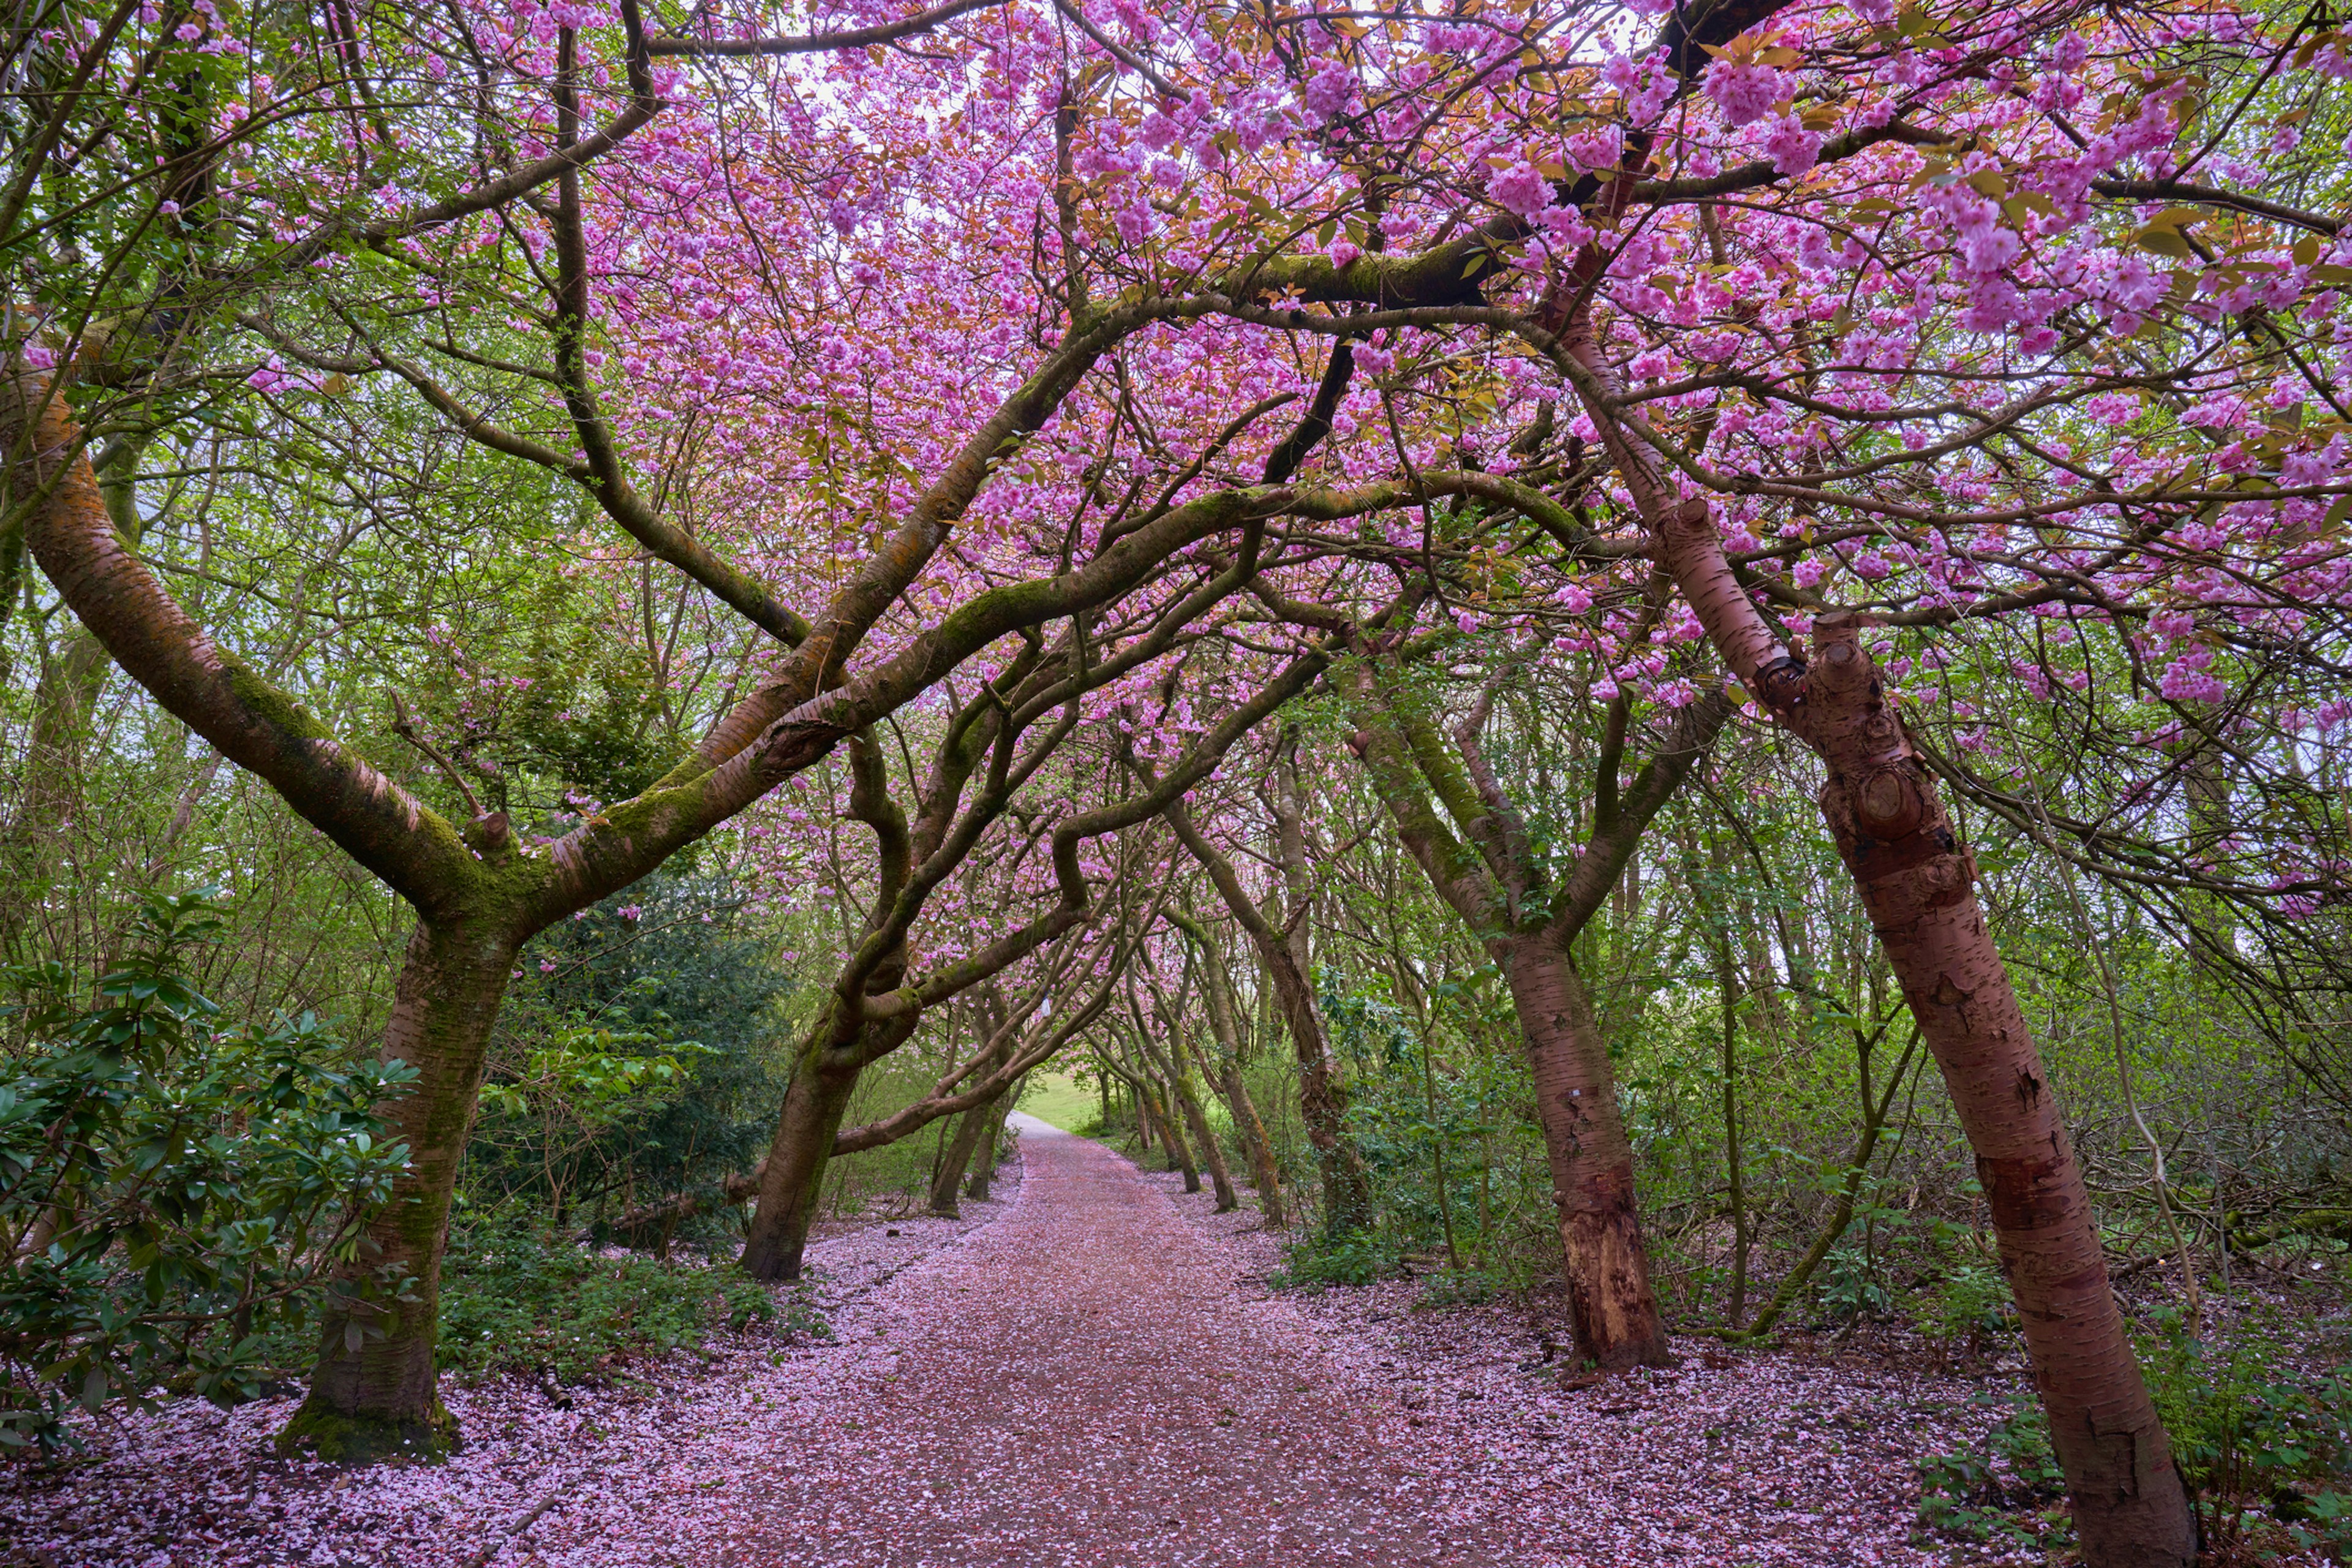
(1917, 884)
(1613, 1309)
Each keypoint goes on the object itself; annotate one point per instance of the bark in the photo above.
(1265, 1175)
(1188, 1104)
(376, 1398)
(798, 1156)
(1917, 886)
(1164, 1132)
(997, 1044)
(1494, 880)
(1180, 1151)
(1613, 1309)
(984, 1170)
(947, 1180)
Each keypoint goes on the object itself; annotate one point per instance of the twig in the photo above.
(507, 1537)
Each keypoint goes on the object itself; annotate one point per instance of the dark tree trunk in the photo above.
(984, 1170)
(794, 1177)
(1322, 1103)
(1171, 1139)
(1265, 1175)
(1213, 1153)
(970, 1127)
(376, 1398)
(1612, 1310)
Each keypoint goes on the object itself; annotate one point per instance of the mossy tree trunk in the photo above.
(374, 1395)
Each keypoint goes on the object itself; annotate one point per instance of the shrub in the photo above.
(1316, 1263)
(2257, 1441)
(1849, 1286)
(1456, 1287)
(515, 1298)
(173, 1197)
(1972, 1303)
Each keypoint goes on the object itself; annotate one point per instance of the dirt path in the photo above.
(1089, 1376)
(1091, 1389)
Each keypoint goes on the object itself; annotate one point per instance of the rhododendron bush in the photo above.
(919, 466)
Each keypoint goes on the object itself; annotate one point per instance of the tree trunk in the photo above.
(984, 1170)
(1265, 1175)
(1213, 1153)
(949, 1178)
(1917, 885)
(1217, 990)
(1611, 1307)
(1322, 1105)
(1171, 1137)
(372, 1393)
(814, 1104)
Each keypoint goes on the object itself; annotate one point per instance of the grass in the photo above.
(1052, 1097)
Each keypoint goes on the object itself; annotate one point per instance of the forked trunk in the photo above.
(983, 1167)
(970, 1127)
(1612, 1310)
(800, 1152)
(372, 1393)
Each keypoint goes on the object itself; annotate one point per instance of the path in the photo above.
(1086, 1387)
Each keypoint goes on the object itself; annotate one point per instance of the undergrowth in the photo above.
(517, 1299)
(2265, 1450)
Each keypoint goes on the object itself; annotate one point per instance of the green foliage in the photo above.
(173, 1195)
(640, 1056)
(1850, 1285)
(1971, 1302)
(2006, 1490)
(2254, 1437)
(516, 1298)
(1317, 1263)
(1456, 1287)
(594, 1071)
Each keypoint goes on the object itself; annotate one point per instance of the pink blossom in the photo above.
(1792, 149)
(1746, 94)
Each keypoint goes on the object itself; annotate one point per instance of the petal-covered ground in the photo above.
(1090, 1374)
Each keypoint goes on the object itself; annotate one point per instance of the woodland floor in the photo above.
(1092, 1373)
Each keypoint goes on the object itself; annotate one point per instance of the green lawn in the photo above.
(1052, 1098)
